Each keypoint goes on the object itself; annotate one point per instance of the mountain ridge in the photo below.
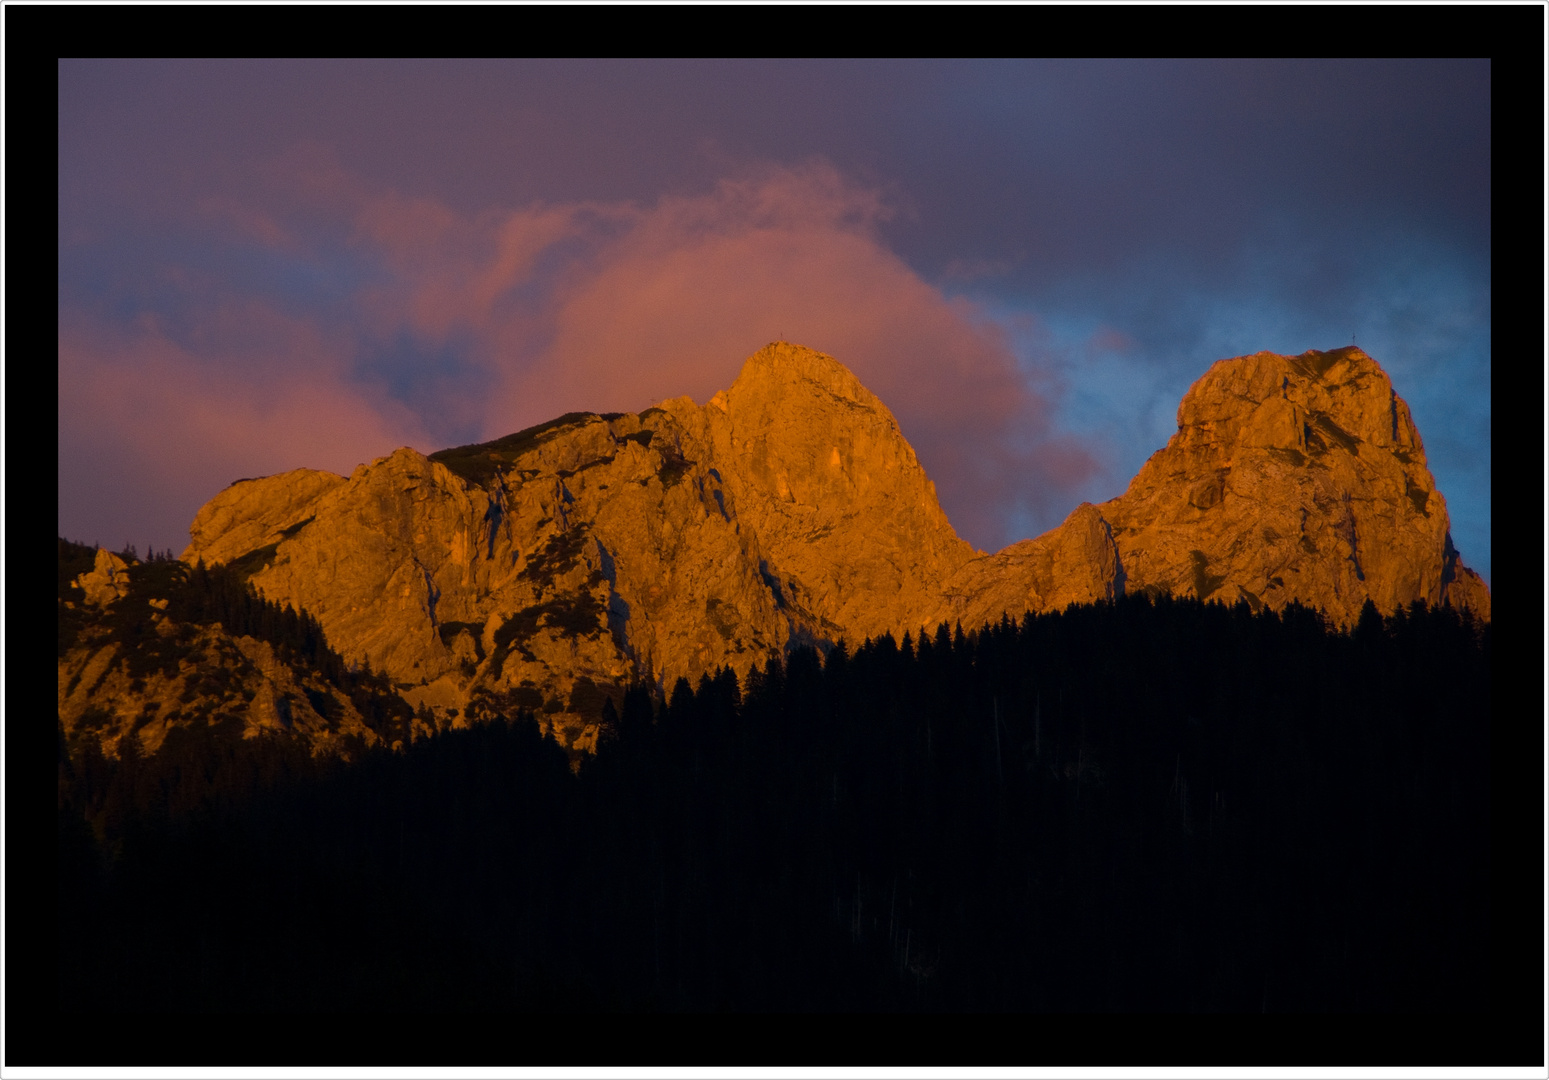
(550, 568)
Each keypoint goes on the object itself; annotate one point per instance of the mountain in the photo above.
(1290, 479)
(250, 814)
(549, 569)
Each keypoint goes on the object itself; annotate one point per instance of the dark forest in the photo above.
(1154, 805)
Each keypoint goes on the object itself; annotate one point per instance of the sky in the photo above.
(269, 265)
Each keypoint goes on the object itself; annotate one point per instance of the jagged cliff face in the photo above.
(499, 575)
(547, 569)
(1292, 478)
(854, 536)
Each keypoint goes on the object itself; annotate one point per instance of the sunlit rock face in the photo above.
(536, 571)
(549, 568)
(1292, 478)
(848, 521)
(235, 683)
(107, 581)
(1077, 563)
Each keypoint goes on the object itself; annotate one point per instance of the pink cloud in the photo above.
(165, 426)
(562, 307)
(694, 285)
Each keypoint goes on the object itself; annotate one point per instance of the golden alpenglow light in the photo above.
(1293, 478)
(549, 568)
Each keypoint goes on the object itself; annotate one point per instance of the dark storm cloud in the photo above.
(421, 249)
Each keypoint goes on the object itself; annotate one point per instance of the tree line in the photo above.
(205, 762)
(1150, 805)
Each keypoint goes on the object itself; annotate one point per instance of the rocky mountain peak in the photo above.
(842, 507)
(547, 569)
(782, 367)
(1292, 478)
(1266, 400)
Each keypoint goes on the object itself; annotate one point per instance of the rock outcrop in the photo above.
(847, 518)
(127, 670)
(106, 582)
(547, 569)
(1292, 478)
(1076, 563)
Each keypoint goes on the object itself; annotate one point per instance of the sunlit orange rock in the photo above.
(219, 680)
(106, 581)
(843, 510)
(1293, 478)
(549, 568)
(1077, 563)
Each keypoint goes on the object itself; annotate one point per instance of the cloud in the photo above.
(461, 235)
(455, 326)
(150, 429)
(646, 303)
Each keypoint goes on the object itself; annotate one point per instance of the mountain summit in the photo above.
(548, 569)
(1293, 478)
(1290, 478)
